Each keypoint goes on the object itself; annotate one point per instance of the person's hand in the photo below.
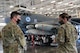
(25, 47)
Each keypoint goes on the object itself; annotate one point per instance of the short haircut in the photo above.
(65, 15)
(14, 13)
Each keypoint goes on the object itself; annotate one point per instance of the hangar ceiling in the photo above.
(45, 7)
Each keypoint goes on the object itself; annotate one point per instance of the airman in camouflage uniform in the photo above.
(67, 36)
(13, 38)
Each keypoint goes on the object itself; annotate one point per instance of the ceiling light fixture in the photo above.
(1, 15)
(69, 10)
(75, 6)
(71, 4)
(53, 10)
(59, 2)
(66, 4)
(40, 13)
(49, 12)
(53, 1)
(34, 8)
(10, 12)
(3, 18)
(41, 8)
(72, 11)
(66, 10)
(42, 0)
(48, 8)
(2, 24)
(36, 12)
(11, 6)
(51, 15)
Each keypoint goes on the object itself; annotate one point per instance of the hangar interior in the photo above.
(40, 17)
(44, 7)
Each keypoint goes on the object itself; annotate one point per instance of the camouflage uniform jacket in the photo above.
(13, 38)
(66, 39)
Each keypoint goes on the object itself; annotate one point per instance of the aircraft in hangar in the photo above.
(42, 28)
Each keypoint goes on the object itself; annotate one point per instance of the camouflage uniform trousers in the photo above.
(60, 50)
(13, 49)
(21, 50)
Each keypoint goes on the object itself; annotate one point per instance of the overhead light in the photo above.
(66, 4)
(10, 12)
(2, 24)
(40, 13)
(71, 10)
(36, 12)
(75, 6)
(34, 8)
(1, 15)
(41, 8)
(66, 10)
(49, 12)
(51, 15)
(26, 9)
(42, 0)
(53, 1)
(60, 13)
(59, 2)
(58, 10)
(53, 10)
(3, 18)
(61, 9)
(54, 13)
(11, 6)
(48, 9)
(71, 7)
(45, 13)
(70, 4)
(78, 6)
(57, 13)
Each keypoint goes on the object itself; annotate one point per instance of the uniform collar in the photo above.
(68, 22)
(13, 23)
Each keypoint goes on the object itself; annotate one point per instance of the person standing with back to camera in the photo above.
(67, 35)
(12, 36)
